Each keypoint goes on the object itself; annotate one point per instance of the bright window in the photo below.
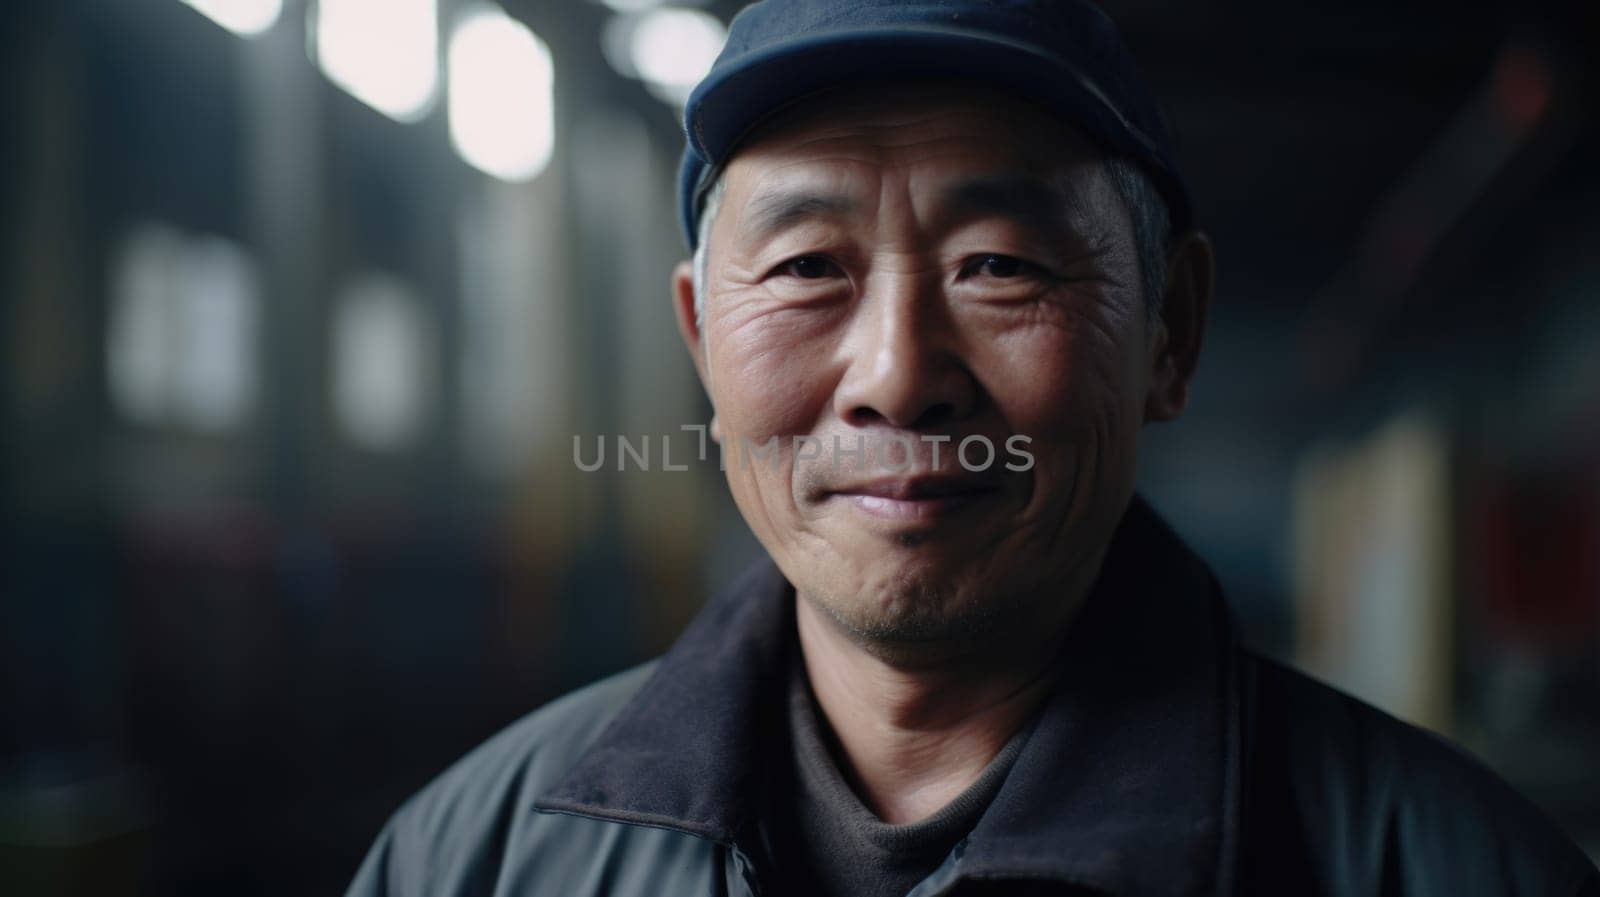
(383, 52)
(502, 116)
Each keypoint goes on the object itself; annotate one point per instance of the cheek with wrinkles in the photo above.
(1079, 356)
(1065, 385)
(768, 382)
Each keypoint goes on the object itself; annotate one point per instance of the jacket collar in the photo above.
(1128, 784)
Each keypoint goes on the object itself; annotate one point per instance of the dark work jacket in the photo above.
(1169, 761)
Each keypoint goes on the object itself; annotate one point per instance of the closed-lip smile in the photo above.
(924, 498)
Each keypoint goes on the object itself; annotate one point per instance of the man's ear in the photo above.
(1175, 345)
(688, 322)
(683, 302)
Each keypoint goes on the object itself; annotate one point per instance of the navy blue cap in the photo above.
(1065, 55)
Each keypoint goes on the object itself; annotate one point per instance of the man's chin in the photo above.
(919, 550)
(913, 606)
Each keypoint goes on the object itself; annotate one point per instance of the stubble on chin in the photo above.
(907, 611)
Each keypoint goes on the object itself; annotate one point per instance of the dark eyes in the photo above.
(1000, 266)
(809, 267)
(1004, 267)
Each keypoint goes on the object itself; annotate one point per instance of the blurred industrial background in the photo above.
(304, 302)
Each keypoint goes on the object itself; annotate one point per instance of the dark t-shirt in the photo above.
(824, 842)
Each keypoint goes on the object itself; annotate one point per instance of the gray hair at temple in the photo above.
(1152, 231)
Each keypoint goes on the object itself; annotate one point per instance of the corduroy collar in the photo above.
(1129, 784)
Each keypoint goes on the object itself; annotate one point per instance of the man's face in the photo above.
(910, 267)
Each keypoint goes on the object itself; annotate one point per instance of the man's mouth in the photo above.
(923, 498)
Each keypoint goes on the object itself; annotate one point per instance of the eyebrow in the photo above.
(1037, 204)
(776, 211)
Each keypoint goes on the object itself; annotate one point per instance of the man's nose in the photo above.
(904, 367)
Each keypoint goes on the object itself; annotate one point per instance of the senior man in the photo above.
(922, 231)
